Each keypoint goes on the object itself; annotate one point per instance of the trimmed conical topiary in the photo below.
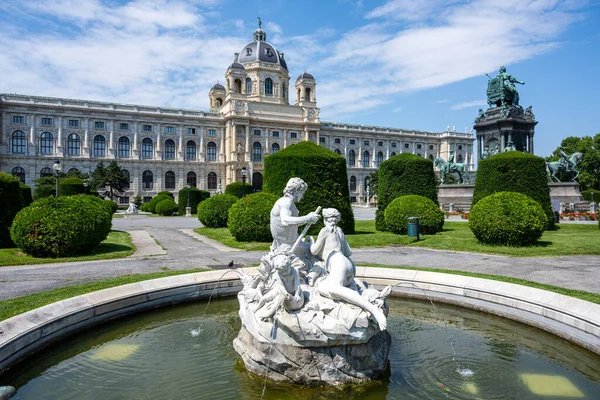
(323, 171)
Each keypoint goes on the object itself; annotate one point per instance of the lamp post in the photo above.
(85, 186)
(57, 168)
(188, 209)
(244, 174)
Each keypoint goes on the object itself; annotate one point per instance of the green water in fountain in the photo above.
(181, 353)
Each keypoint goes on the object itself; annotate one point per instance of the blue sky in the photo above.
(401, 63)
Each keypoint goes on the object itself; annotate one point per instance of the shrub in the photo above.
(26, 192)
(70, 187)
(144, 207)
(213, 212)
(44, 187)
(587, 195)
(11, 201)
(400, 209)
(402, 175)
(155, 200)
(507, 218)
(515, 171)
(166, 193)
(166, 207)
(323, 171)
(236, 189)
(113, 206)
(138, 201)
(249, 217)
(196, 196)
(42, 230)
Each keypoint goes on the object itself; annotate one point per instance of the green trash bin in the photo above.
(414, 229)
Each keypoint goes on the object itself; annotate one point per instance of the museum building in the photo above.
(162, 148)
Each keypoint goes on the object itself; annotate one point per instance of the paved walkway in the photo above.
(186, 250)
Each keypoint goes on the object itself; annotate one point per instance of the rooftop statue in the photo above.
(502, 91)
(566, 163)
(509, 146)
(450, 167)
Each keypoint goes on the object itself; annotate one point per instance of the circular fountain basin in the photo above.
(185, 351)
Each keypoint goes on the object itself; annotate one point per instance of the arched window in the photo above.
(19, 172)
(99, 146)
(73, 145)
(212, 180)
(169, 149)
(170, 180)
(46, 172)
(237, 86)
(274, 148)
(219, 102)
(431, 157)
(190, 150)
(19, 142)
(191, 178)
(352, 182)
(211, 151)
(351, 158)
(47, 143)
(379, 159)
(257, 182)
(248, 86)
(268, 87)
(147, 179)
(147, 148)
(73, 171)
(256, 152)
(365, 160)
(307, 94)
(123, 148)
(338, 152)
(127, 179)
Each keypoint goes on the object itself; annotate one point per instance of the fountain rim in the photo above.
(575, 320)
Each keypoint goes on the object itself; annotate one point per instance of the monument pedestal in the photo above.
(459, 195)
(565, 192)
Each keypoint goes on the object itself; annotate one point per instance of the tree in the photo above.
(589, 166)
(111, 176)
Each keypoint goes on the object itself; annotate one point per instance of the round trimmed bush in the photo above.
(155, 200)
(401, 175)
(41, 230)
(11, 201)
(213, 212)
(166, 193)
(113, 206)
(166, 207)
(399, 210)
(507, 218)
(515, 171)
(70, 187)
(249, 217)
(237, 189)
(323, 171)
(144, 207)
(196, 196)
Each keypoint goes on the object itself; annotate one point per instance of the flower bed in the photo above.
(579, 216)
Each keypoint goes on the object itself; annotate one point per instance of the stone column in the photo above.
(4, 139)
(267, 149)
(531, 143)
(157, 152)
(201, 154)
(59, 140)
(222, 146)
(180, 154)
(32, 143)
(86, 139)
(247, 154)
(285, 134)
(502, 141)
(111, 139)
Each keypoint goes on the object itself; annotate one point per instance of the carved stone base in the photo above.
(331, 365)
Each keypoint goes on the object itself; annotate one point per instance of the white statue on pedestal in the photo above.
(132, 209)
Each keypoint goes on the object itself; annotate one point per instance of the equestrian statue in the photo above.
(501, 89)
(448, 167)
(566, 164)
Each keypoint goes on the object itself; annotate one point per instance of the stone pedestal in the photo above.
(334, 365)
(458, 195)
(565, 192)
(188, 211)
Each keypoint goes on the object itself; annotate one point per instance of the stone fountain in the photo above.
(305, 318)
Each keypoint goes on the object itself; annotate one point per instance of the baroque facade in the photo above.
(166, 148)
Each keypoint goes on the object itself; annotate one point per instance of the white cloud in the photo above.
(468, 104)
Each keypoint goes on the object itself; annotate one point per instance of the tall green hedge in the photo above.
(515, 171)
(237, 189)
(70, 187)
(166, 193)
(401, 175)
(11, 201)
(587, 195)
(155, 200)
(323, 171)
(26, 192)
(44, 187)
(196, 196)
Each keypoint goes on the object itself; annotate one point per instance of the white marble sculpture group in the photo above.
(306, 301)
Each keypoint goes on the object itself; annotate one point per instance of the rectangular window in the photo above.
(366, 142)
(18, 119)
(393, 144)
(293, 135)
(460, 147)
(74, 123)
(406, 145)
(322, 140)
(97, 124)
(419, 146)
(275, 133)
(337, 141)
(169, 129)
(191, 131)
(379, 144)
(147, 128)
(430, 147)
(212, 132)
(123, 200)
(124, 126)
(256, 132)
(46, 121)
(352, 141)
(352, 199)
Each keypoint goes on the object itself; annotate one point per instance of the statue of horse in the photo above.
(561, 166)
(448, 168)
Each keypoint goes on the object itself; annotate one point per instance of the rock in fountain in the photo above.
(306, 319)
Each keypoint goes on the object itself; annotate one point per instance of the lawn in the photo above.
(117, 245)
(570, 239)
(18, 305)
